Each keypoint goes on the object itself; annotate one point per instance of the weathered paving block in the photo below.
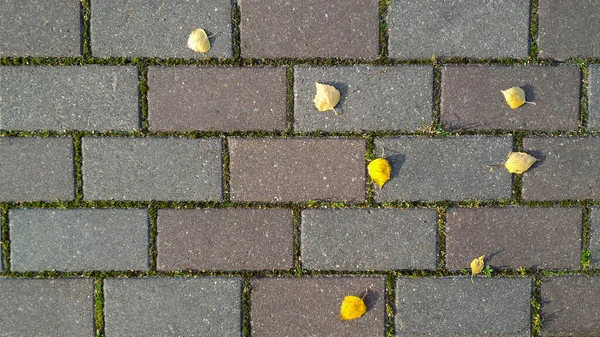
(369, 239)
(372, 98)
(89, 98)
(47, 307)
(595, 237)
(158, 28)
(78, 239)
(514, 237)
(448, 168)
(453, 306)
(37, 169)
(310, 28)
(217, 98)
(297, 169)
(468, 28)
(209, 306)
(204, 239)
(593, 93)
(152, 169)
(471, 97)
(311, 306)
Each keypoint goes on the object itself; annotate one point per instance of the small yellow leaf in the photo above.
(515, 97)
(519, 162)
(380, 171)
(352, 308)
(327, 97)
(477, 266)
(198, 41)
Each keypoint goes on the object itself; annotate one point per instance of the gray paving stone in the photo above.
(225, 239)
(158, 28)
(471, 97)
(373, 98)
(595, 237)
(309, 28)
(453, 306)
(514, 237)
(89, 98)
(37, 169)
(593, 93)
(311, 306)
(78, 239)
(47, 307)
(464, 28)
(369, 239)
(448, 168)
(152, 169)
(217, 98)
(297, 169)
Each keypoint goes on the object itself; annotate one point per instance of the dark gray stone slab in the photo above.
(593, 93)
(217, 98)
(152, 169)
(454, 306)
(471, 98)
(311, 306)
(78, 239)
(47, 307)
(448, 168)
(158, 28)
(369, 239)
(372, 98)
(89, 98)
(595, 237)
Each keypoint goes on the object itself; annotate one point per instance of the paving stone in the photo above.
(310, 28)
(465, 28)
(311, 306)
(453, 306)
(448, 168)
(369, 239)
(47, 307)
(593, 93)
(373, 98)
(514, 237)
(570, 306)
(297, 169)
(78, 239)
(217, 98)
(471, 98)
(152, 169)
(89, 98)
(209, 306)
(595, 237)
(37, 169)
(158, 28)
(204, 239)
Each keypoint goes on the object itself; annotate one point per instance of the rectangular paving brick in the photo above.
(88, 98)
(396, 98)
(369, 239)
(454, 306)
(514, 237)
(594, 244)
(309, 28)
(37, 169)
(217, 98)
(225, 239)
(47, 307)
(448, 168)
(129, 168)
(471, 97)
(311, 306)
(593, 93)
(297, 169)
(78, 239)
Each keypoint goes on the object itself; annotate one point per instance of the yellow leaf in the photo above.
(352, 308)
(380, 171)
(327, 97)
(198, 41)
(477, 266)
(519, 162)
(515, 97)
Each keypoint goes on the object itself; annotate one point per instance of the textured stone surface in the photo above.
(593, 93)
(514, 237)
(89, 98)
(595, 237)
(471, 97)
(78, 239)
(453, 306)
(152, 169)
(225, 239)
(449, 168)
(209, 306)
(297, 169)
(217, 98)
(309, 28)
(369, 239)
(372, 98)
(311, 306)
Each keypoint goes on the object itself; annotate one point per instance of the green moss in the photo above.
(246, 307)
(99, 307)
(390, 297)
(536, 300)
(441, 238)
